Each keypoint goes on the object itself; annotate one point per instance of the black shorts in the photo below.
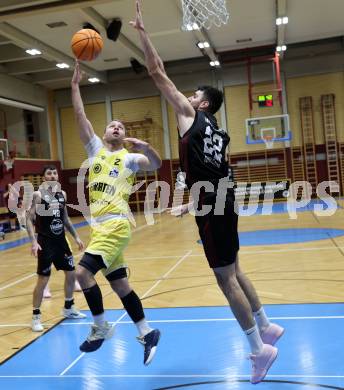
(54, 251)
(219, 235)
(94, 263)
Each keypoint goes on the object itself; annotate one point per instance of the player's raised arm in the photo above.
(85, 127)
(179, 102)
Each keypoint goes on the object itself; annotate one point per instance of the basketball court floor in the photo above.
(296, 266)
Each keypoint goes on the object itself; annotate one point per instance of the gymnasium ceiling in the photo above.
(24, 24)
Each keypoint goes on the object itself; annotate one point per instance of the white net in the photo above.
(268, 135)
(269, 141)
(204, 13)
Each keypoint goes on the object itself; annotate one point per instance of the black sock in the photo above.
(36, 312)
(133, 306)
(94, 299)
(68, 303)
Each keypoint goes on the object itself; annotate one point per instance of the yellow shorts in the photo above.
(109, 239)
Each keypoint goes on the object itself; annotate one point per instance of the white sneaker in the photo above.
(36, 325)
(77, 286)
(72, 313)
(46, 292)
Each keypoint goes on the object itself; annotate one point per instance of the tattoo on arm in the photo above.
(30, 219)
(69, 226)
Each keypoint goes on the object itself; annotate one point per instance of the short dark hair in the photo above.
(48, 168)
(214, 97)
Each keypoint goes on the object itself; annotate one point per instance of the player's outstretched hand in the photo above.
(138, 22)
(179, 211)
(77, 76)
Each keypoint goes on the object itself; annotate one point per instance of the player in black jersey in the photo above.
(202, 158)
(48, 214)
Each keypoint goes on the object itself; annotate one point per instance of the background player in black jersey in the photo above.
(203, 158)
(48, 214)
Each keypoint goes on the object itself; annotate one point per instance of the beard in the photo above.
(114, 141)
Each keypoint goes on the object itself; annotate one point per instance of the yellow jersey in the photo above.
(110, 182)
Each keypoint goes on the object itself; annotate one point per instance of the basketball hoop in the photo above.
(268, 140)
(204, 13)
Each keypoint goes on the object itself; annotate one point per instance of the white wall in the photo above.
(23, 91)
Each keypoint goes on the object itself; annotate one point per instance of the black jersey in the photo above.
(50, 215)
(202, 151)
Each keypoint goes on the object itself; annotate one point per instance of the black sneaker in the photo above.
(150, 341)
(97, 336)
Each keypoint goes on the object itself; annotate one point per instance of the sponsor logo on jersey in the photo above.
(103, 187)
(114, 172)
(97, 168)
(56, 226)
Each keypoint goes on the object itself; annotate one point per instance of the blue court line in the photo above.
(199, 345)
(281, 207)
(25, 240)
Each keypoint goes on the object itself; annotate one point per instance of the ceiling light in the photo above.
(62, 65)
(217, 63)
(93, 80)
(191, 27)
(282, 20)
(203, 45)
(281, 48)
(212, 63)
(33, 52)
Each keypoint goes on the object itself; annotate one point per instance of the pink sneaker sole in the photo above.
(257, 379)
(272, 334)
(46, 294)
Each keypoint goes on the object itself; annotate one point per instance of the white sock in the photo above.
(99, 319)
(254, 340)
(143, 327)
(261, 319)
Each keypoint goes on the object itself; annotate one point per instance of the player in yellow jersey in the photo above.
(111, 174)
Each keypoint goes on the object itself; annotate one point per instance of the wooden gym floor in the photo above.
(168, 268)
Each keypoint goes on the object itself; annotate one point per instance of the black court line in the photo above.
(31, 342)
(317, 385)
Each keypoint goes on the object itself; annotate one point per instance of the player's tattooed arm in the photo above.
(30, 221)
(70, 227)
(156, 69)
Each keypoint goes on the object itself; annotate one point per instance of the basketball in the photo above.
(86, 44)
